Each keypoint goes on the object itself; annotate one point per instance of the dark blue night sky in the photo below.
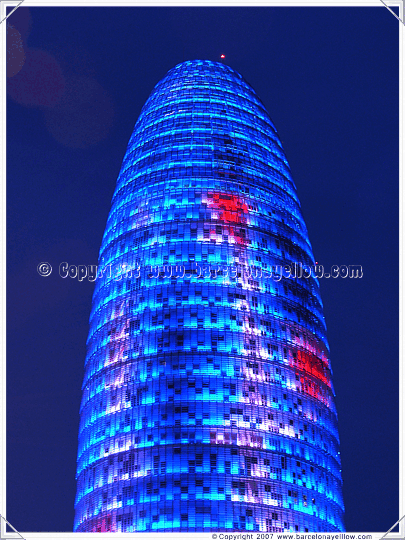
(329, 80)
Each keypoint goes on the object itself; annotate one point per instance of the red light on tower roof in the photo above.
(222, 56)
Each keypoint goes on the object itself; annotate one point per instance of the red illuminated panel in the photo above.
(232, 209)
(313, 365)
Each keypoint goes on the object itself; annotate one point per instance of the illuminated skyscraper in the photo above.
(207, 396)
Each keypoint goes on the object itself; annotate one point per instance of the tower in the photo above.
(207, 396)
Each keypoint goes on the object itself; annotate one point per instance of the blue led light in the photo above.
(207, 397)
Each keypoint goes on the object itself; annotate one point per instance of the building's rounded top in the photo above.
(205, 63)
(204, 66)
(207, 76)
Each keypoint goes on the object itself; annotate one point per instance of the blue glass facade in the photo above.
(207, 397)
